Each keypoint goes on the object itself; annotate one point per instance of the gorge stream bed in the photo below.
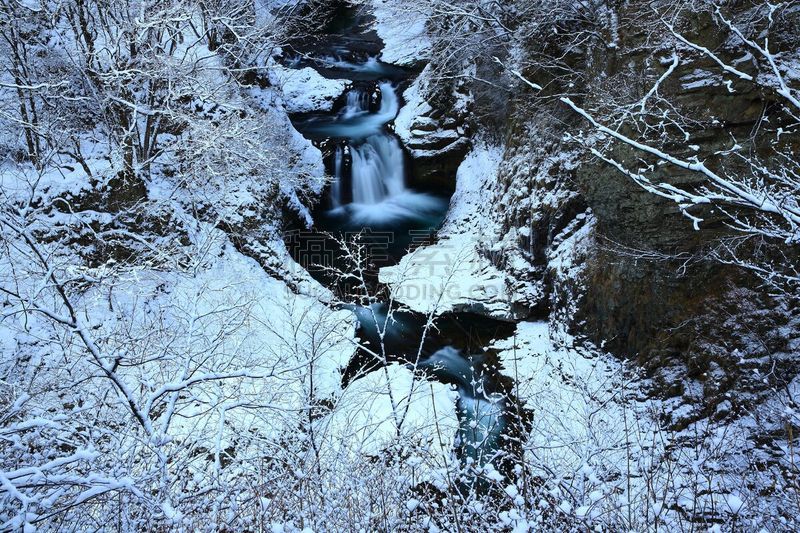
(370, 206)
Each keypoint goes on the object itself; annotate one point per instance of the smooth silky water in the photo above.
(368, 191)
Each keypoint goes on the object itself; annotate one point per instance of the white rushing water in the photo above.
(357, 104)
(371, 65)
(378, 170)
(355, 122)
(336, 186)
(377, 185)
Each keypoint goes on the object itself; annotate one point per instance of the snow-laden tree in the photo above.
(753, 179)
(133, 131)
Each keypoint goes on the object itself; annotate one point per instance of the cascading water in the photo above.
(336, 186)
(378, 170)
(357, 103)
(377, 193)
(355, 122)
(377, 161)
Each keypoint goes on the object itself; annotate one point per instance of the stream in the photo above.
(369, 194)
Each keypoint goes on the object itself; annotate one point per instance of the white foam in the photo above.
(407, 206)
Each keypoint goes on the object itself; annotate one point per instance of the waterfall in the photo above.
(358, 123)
(378, 170)
(357, 103)
(377, 192)
(390, 105)
(336, 186)
(354, 121)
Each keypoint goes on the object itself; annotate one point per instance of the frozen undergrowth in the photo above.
(224, 363)
(152, 372)
(369, 411)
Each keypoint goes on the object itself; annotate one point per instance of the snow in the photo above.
(475, 180)
(448, 276)
(415, 107)
(582, 416)
(401, 26)
(595, 436)
(454, 274)
(377, 407)
(305, 89)
(67, 179)
(565, 388)
(424, 136)
(412, 504)
(566, 256)
(305, 159)
(273, 342)
(699, 79)
(217, 354)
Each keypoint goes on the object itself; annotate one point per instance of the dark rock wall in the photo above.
(646, 289)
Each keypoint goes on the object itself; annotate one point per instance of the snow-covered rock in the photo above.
(565, 387)
(275, 368)
(475, 180)
(450, 275)
(436, 141)
(369, 411)
(306, 159)
(455, 274)
(414, 111)
(305, 89)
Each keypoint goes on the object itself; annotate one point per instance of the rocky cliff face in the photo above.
(644, 288)
(436, 137)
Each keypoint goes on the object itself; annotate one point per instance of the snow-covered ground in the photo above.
(371, 409)
(597, 441)
(146, 360)
(222, 360)
(581, 412)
